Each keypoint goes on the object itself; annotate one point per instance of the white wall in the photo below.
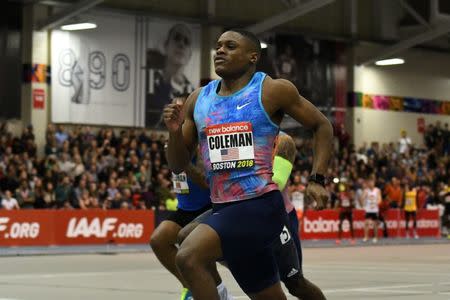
(384, 126)
(425, 74)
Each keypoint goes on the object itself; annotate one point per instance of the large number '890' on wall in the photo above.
(70, 66)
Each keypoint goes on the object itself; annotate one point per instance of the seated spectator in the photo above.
(64, 193)
(25, 196)
(49, 196)
(8, 202)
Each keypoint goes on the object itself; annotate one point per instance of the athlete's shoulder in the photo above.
(279, 88)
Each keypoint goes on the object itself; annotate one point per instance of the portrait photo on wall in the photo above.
(172, 66)
(308, 63)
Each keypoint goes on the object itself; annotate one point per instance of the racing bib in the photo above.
(230, 146)
(345, 202)
(180, 185)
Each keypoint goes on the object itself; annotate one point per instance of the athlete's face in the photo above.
(234, 54)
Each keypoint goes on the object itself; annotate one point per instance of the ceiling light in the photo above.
(263, 45)
(391, 61)
(79, 26)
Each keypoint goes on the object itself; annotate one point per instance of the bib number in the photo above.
(180, 185)
(230, 146)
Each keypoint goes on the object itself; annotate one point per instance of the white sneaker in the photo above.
(365, 240)
(374, 240)
(416, 236)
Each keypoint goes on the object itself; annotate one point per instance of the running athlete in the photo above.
(288, 251)
(371, 199)
(410, 206)
(235, 120)
(193, 197)
(345, 205)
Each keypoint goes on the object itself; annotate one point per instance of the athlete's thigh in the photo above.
(186, 230)
(249, 230)
(203, 243)
(166, 231)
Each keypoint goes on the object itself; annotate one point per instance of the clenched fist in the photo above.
(173, 115)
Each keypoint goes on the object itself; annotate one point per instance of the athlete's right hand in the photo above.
(174, 116)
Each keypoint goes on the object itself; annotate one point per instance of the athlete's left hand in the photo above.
(316, 195)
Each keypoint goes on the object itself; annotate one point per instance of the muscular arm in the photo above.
(282, 96)
(283, 161)
(183, 140)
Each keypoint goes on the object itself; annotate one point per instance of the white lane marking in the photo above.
(75, 274)
(383, 289)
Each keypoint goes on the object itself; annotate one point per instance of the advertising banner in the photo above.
(325, 224)
(75, 227)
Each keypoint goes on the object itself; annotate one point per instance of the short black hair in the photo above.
(250, 36)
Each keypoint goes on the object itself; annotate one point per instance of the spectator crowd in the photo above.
(83, 169)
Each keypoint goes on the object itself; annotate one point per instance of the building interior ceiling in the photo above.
(398, 24)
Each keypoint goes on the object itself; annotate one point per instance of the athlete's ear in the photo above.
(254, 57)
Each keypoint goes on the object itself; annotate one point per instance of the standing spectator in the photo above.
(410, 206)
(429, 138)
(422, 194)
(383, 208)
(371, 200)
(394, 193)
(343, 137)
(8, 202)
(404, 143)
(345, 206)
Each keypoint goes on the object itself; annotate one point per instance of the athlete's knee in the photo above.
(187, 261)
(158, 240)
(155, 241)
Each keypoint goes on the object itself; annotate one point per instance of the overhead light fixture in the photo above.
(79, 26)
(391, 61)
(263, 45)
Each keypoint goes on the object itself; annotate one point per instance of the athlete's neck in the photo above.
(230, 86)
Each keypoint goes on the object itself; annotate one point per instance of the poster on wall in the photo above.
(93, 73)
(123, 72)
(314, 66)
(172, 65)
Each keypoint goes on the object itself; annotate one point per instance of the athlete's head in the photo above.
(237, 50)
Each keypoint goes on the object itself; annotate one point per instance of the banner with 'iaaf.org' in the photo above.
(123, 72)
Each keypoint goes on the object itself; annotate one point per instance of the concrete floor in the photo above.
(374, 272)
